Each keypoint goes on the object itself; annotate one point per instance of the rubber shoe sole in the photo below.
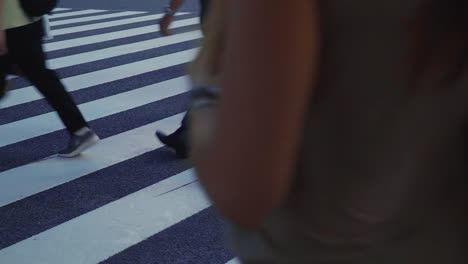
(81, 148)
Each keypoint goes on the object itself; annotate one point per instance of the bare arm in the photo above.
(269, 65)
(175, 4)
(166, 21)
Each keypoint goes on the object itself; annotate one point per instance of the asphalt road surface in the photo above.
(129, 199)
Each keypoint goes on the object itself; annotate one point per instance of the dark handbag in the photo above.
(37, 8)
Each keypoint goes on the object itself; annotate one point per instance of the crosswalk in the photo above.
(127, 200)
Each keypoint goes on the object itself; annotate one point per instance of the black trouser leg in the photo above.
(25, 49)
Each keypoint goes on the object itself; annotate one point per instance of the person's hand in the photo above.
(3, 43)
(164, 25)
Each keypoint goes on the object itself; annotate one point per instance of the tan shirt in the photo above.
(14, 16)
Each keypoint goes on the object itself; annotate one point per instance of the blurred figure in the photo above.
(21, 44)
(341, 139)
(178, 140)
(171, 10)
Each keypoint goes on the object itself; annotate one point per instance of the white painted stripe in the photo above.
(58, 9)
(27, 180)
(234, 261)
(47, 123)
(75, 13)
(83, 81)
(106, 231)
(76, 42)
(107, 53)
(94, 18)
(127, 21)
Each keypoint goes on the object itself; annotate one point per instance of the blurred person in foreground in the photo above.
(178, 140)
(339, 136)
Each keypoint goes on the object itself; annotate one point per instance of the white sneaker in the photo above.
(79, 142)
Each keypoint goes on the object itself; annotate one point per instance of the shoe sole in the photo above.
(86, 145)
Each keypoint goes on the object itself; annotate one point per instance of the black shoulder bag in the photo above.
(37, 8)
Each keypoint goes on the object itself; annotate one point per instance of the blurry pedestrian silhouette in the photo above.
(340, 132)
(21, 46)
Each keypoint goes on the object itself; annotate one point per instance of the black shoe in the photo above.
(175, 141)
(79, 142)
